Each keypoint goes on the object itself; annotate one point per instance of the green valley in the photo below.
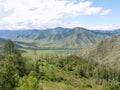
(27, 63)
(59, 45)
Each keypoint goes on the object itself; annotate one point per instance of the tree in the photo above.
(8, 75)
(35, 49)
(14, 55)
(9, 48)
(29, 82)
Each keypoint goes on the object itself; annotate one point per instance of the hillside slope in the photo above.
(107, 51)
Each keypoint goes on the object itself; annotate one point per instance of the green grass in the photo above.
(40, 53)
(57, 86)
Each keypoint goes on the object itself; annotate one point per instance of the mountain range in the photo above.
(102, 46)
(57, 37)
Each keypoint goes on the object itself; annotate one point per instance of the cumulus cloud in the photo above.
(42, 13)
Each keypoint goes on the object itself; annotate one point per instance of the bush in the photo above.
(112, 85)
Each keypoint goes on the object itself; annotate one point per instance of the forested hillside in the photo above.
(55, 72)
(106, 52)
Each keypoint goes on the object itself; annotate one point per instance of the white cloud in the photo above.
(106, 12)
(4, 13)
(17, 14)
(104, 27)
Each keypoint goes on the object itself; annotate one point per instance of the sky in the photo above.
(43, 14)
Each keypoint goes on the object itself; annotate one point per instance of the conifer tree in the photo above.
(9, 48)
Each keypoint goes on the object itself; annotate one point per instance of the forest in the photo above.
(53, 72)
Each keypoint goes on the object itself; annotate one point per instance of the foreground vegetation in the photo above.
(53, 72)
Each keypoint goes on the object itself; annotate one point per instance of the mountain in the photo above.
(58, 37)
(108, 32)
(107, 51)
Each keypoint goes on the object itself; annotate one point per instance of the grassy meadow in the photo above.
(42, 53)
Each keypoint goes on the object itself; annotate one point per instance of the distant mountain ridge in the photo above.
(58, 37)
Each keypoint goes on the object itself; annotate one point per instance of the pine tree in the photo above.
(9, 48)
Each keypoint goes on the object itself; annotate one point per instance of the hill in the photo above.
(107, 51)
(57, 37)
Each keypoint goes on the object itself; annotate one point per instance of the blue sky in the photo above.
(42, 14)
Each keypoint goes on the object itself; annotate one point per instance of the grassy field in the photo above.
(39, 53)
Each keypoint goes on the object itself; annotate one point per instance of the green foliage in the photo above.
(9, 47)
(112, 85)
(8, 75)
(29, 82)
(19, 73)
(12, 67)
(2, 41)
(20, 66)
